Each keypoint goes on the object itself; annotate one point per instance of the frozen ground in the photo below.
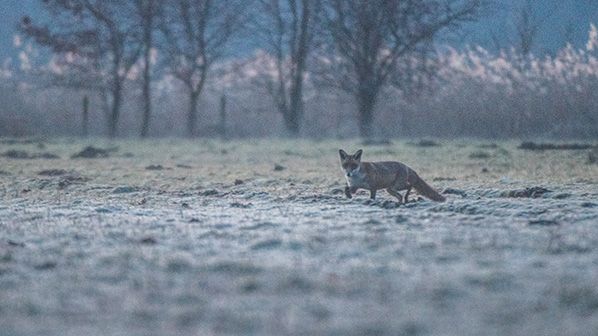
(211, 239)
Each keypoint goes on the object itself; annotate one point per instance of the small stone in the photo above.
(479, 155)
(453, 191)
(15, 244)
(148, 241)
(52, 172)
(45, 265)
(543, 222)
(400, 219)
(240, 205)
(209, 192)
(438, 179)
(124, 190)
(154, 167)
(103, 210)
(425, 143)
(16, 154)
(533, 192)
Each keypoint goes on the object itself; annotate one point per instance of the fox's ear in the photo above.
(357, 155)
(343, 154)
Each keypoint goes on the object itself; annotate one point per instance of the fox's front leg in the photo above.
(349, 191)
(373, 193)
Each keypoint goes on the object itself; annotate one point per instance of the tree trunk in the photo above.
(115, 113)
(366, 102)
(292, 120)
(295, 111)
(296, 92)
(147, 95)
(192, 116)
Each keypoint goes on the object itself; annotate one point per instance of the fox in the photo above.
(390, 175)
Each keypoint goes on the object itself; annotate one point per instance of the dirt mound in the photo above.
(533, 192)
(453, 191)
(91, 152)
(424, 143)
(593, 156)
(479, 155)
(154, 167)
(551, 146)
(124, 190)
(71, 179)
(20, 141)
(18, 154)
(376, 142)
(52, 172)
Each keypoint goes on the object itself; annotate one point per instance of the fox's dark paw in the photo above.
(348, 192)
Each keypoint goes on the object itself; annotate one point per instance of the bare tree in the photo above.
(197, 33)
(369, 38)
(287, 27)
(101, 33)
(147, 11)
(527, 25)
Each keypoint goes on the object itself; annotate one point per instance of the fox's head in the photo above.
(350, 163)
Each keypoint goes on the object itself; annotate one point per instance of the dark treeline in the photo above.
(379, 63)
(109, 37)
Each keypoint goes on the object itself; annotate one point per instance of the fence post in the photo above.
(223, 116)
(85, 119)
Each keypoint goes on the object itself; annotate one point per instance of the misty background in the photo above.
(504, 69)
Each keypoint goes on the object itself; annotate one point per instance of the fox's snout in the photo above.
(352, 172)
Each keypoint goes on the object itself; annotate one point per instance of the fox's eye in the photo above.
(353, 166)
(345, 165)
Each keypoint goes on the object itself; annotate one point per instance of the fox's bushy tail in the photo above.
(423, 188)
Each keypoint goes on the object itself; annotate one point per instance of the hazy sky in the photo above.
(11, 12)
(560, 14)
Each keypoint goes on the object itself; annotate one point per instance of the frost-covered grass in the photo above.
(214, 240)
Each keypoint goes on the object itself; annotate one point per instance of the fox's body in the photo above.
(389, 175)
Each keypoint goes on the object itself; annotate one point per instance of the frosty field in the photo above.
(255, 237)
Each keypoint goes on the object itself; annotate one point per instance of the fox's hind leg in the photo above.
(407, 195)
(395, 194)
